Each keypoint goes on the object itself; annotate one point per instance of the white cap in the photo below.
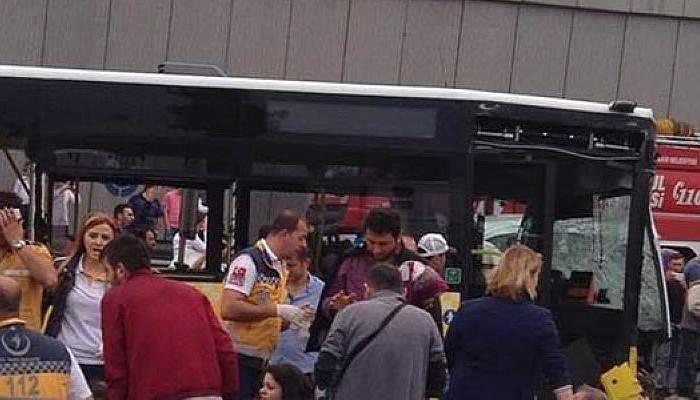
(433, 244)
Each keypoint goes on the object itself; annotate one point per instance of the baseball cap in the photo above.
(433, 244)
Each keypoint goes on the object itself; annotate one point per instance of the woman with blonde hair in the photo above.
(498, 344)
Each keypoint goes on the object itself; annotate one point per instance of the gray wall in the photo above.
(584, 49)
(645, 50)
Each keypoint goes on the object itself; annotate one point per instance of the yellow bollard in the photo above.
(621, 383)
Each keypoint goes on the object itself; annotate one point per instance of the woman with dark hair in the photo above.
(286, 382)
(75, 317)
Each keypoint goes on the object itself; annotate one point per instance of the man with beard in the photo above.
(382, 234)
(162, 339)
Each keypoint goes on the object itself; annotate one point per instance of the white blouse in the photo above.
(81, 328)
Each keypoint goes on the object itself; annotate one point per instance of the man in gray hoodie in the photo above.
(690, 333)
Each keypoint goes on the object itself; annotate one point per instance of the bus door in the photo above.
(577, 215)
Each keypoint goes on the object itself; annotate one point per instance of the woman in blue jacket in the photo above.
(497, 345)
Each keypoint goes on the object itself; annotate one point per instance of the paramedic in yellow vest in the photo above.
(254, 296)
(33, 365)
(30, 264)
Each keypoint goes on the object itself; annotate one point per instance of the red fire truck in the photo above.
(675, 194)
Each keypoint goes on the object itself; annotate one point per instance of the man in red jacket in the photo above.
(161, 338)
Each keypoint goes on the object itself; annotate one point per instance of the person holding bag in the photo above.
(382, 348)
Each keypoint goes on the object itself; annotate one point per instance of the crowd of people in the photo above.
(113, 328)
(677, 361)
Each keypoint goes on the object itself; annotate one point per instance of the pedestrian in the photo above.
(668, 353)
(34, 365)
(148, 236)
(162, 339)
(497, 345)
(382, 348)
(382, 235)
(146, 206)
(74, 317)
(195, 246)
(253, 300)
(123, 216)
(303, 290)
(690, 333)
(63, 203)
(29, 263)
(433, 248)
(286, 382)
(172, 204)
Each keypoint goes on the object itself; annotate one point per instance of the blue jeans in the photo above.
(687, 363)
(674, 353)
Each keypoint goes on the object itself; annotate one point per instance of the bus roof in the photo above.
(10, 71)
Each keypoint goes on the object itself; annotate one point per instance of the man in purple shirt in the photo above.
(382, 234)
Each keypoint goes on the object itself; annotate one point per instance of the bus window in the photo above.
(499, 225)
(588, 254)
(156, 213)
(336, 219)
(651, 309)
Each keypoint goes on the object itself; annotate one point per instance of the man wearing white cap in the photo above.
(433, 248)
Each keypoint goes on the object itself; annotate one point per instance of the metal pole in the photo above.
(215, 226)
(639, 206)
(44, 196)
(32, 202)
(321, 228)
(231, 222)
(548, 213)
(76, 209)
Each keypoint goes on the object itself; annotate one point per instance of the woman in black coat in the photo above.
(497, 345)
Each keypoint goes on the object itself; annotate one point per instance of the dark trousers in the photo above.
(250, 376)
(687, 363)
(95, 377)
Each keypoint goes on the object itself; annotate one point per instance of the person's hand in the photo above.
(309, 312)
(10, 225)
(288, 312)
(429, 303)
(341, 300)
